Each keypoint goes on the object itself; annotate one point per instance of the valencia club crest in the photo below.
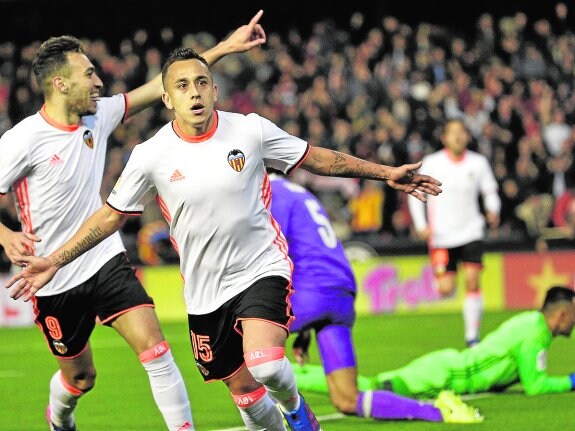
(237, 160)
(88, 139)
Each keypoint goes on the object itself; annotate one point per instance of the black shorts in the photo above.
(446, 259)
(68, 319)
(217, 336)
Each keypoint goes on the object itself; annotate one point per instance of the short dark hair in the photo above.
(558, 294)
(453, 120)
(52, 57)
(181, 54)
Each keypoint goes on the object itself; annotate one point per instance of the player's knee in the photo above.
(445, 283)
(445, 289)
(344, 402)
(268, 373)
(85, 380)
(268, 366)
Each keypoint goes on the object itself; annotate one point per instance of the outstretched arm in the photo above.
(322, 161)
(242, 39)
(532, 367)
(38, 271)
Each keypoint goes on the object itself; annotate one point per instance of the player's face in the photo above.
(82, 85)
(567, 321)
(190, 91)
(455, 138)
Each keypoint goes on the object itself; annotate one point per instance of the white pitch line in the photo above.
(324, 418)
(10, 374)
(479, 396)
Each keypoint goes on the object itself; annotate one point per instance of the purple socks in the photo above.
(387, 405)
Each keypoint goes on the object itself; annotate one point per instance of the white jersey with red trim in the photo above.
(215, 194)
(55, 172)
(454, 216)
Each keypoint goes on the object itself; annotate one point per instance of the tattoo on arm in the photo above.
(347, 166)
(94, 237)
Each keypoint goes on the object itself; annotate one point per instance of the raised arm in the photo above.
(322, 161)
(242, 39)
(38, 271)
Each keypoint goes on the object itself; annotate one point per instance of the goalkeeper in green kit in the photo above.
(515, 352)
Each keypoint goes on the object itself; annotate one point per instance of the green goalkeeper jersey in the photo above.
(516, 351)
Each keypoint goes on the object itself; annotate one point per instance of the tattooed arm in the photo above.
(322, 161)
(38, 271)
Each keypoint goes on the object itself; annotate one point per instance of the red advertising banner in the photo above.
(527, 276)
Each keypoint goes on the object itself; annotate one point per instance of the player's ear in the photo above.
(562, 314)
(60, 84)
(167, 101)
(215, 92)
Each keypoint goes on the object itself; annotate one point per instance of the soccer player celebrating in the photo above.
(208, 169)
(516, 352)
(54, 162)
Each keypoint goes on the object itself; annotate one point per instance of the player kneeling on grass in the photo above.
(516, 352)
(323, 300)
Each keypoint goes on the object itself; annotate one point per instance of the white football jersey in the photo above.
(55, 172)
(454, 216)
(215, 194)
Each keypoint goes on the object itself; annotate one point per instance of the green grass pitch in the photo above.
(122, 400)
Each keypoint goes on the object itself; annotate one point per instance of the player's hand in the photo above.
(37, 272)
(405, 179)
(424, 234)
(19, 244)
(247, 36)
(300, 347)
(492, 219)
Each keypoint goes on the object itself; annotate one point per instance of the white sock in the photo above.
(472, 314)
(279, 379)
(168, 387)
(63, 400)
(261, 414)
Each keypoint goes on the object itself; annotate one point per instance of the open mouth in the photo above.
(197, 108)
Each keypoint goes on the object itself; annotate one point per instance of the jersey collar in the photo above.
(199, 138)
(54, 123)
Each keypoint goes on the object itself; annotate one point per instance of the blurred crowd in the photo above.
(378, 93)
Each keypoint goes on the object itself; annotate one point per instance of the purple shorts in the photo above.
(331, 315)
(314, 309)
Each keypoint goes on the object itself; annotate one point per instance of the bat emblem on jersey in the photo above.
(60, 347)
(237, 160)
(88, 138)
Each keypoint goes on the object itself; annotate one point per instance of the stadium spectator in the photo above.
(209, 174)
(323, 301)
(453, 224)
(515, 352)
(282, 82)
(53, 161)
